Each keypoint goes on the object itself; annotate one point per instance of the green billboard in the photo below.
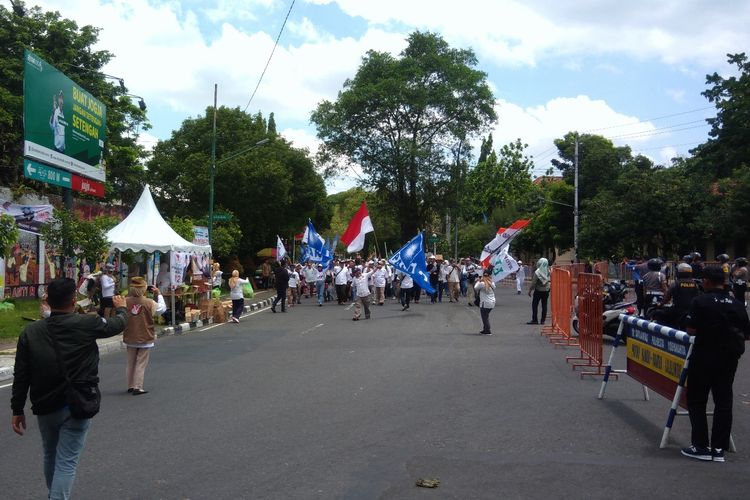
(64, 125)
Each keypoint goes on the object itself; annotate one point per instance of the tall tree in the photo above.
(400, 117)
(64, 44)
(600, 162)
(272, 189)
(500, 180)
(729, 144)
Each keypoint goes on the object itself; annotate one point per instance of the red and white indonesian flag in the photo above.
(503, 264)
(501, 240)
(280, 250)
(354, 236)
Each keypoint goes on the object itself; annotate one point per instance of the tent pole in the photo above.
(173, 287)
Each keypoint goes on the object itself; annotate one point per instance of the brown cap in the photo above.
(137, 282)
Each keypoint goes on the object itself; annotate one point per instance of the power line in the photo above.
(276, 43)
(651, 119)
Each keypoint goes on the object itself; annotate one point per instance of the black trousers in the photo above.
(406, 294)
(739, 292)
(341, 294)
(484, 312)
(238, 307)
(715, 376)
(280, 296)
(536, 299)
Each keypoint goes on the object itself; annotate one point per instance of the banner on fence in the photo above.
(656, 360)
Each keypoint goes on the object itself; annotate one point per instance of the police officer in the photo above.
(681, 295)
(723, 260)
(739, 279)
(720, 325)
(696, 264)
(654, 285)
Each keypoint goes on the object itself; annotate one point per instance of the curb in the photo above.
(6, 372)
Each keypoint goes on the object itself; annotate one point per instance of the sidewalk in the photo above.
(261, 300)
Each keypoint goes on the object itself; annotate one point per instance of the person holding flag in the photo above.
(410, 260)
(485, 288)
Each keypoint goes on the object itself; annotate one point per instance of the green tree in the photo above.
(76, 237)
(404, 120)
(8, 234)
(499, 181)
(272, 189)
(728, 147)
(182, 226)
(70, 48)
(600, 162)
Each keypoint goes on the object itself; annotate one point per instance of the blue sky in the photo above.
(632, 71)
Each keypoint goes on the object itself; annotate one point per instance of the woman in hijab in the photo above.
(540, 282)
(238, 299)
(485, 288)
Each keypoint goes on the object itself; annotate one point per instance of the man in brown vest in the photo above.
(139, 334)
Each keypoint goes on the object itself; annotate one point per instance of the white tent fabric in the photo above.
(144, 229)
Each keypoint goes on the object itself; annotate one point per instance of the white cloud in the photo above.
(515, 32)
(301, 138)
(677, 95)
(306, 30)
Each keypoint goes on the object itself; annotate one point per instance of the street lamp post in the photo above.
(215, 163)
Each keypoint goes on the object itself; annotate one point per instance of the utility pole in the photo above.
(213, 173)
(575, 207)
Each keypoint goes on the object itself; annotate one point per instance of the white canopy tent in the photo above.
(144, 229)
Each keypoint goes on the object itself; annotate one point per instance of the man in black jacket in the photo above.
(37, 370)
(720, 325)
(282, 283)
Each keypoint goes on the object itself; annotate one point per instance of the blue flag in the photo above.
(315, 250)
(410, 260)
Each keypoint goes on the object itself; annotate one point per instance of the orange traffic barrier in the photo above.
(590, 305)
(561, 294)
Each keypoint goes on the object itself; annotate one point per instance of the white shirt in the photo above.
(443, 272)
(310, 274)
(486, 296)
(454, 274)
(293, 279)
(379, 277)
(406, 281)
(236, 292)
(108, 285)
(340, 275)
(360, 284)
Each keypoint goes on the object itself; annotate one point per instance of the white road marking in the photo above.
(228, 322)
(311, 329)
(6, 385)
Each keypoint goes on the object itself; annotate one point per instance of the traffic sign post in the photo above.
(43, 173)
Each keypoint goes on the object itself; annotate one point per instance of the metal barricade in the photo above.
(590, 305)
(559, 332)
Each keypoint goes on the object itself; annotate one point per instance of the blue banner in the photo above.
(410, 260)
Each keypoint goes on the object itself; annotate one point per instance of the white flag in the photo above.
(280, 250)
(503, 265)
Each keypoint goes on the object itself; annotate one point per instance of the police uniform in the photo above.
(713, 363)
(681, 294)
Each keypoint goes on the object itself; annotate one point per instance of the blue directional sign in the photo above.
(40, 172)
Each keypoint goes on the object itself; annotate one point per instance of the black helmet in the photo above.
(741, 261)
(722, 258)
(684, 270)
(654, 264)
(687, 258)
(696, 255)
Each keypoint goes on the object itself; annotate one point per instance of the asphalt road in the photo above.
(309, 404)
